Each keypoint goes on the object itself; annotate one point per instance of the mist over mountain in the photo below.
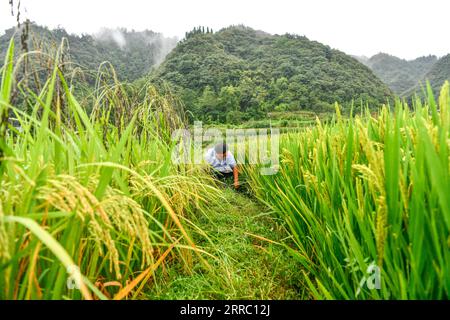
(132, 53)
(362, 59)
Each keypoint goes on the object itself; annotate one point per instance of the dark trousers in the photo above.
(221, 175)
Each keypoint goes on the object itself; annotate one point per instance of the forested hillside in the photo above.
(439, 73)
(399, 74)
(239, 73)
(406, 77)
(132, 53)
(233, 75)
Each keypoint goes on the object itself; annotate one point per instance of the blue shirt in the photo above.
(225, 165)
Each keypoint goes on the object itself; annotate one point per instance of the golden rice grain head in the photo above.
(65, 193)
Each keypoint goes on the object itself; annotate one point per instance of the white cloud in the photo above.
(364, 27)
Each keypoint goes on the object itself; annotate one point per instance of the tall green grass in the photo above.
(369, 190)
(96, 190)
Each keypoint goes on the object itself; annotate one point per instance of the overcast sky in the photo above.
(405, 28)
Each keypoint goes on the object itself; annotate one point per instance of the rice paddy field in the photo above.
(369, 191)
(93, 207)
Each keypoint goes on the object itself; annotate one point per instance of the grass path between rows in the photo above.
(247, 266)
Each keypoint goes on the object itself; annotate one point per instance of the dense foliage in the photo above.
(240, 74)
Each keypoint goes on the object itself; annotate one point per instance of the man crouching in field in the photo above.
(223, 163)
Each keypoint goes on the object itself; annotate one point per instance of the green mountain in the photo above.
(399, 74)
(133, 54)
(438, 74)
(239, 73)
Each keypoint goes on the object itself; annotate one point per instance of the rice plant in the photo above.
(94, 192)
(369, 192)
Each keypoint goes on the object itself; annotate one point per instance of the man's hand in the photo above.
(236, 177)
